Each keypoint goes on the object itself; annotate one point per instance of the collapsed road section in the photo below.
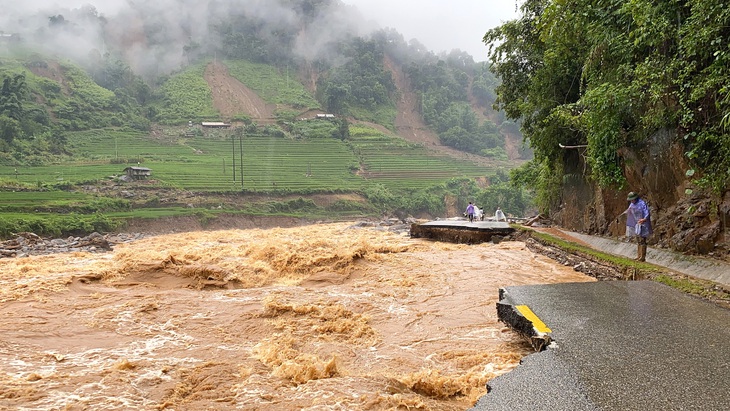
(462, 231)
(614, 345)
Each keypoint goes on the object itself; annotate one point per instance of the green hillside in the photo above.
(69, 127)
(75, 185)
(275, 86)
(370, 164)
(270, 164)
(185, 97)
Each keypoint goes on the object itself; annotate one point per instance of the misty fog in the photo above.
(155, 37)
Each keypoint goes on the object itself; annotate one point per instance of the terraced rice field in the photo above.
(217, 161)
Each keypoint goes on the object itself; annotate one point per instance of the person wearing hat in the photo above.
(638, 223)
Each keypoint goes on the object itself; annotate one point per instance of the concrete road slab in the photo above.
(695, 266)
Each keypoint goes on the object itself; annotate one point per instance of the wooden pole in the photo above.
(240, 152)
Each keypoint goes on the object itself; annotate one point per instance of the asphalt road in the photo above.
(618, 345)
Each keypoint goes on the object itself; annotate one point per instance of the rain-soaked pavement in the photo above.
(617, 345)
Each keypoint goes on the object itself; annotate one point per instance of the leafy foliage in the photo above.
(186, 97)
(443, 86)
(360, 87)
(541, 181)
(512, 200)
(609, 73)
(245, 37)
(43, 99)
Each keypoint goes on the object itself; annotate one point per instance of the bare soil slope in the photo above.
(408, 121)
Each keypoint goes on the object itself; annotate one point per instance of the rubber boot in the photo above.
(638, 252)
(642, 252)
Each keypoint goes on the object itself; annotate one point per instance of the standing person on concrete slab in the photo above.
(470, 212)
(638, 223)
(478, 213)
(499, 215)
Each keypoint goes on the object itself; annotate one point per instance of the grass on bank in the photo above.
(626, 264)
(705, 289)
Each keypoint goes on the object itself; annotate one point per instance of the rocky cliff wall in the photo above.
(685, 217)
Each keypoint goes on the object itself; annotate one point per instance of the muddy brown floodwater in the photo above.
(321, 317)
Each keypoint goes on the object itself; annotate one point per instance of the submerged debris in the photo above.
(25, 244)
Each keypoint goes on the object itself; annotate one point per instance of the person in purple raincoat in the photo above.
(638, 223)
(470, 212)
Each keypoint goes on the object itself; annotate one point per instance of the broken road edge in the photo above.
(521, 319)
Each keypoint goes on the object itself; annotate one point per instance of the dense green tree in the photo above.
(443, 85)
(9, 130)
(343, 128)
(608, 73)
(360, 82)
(512, 200)
(12, 94)
(484, 85)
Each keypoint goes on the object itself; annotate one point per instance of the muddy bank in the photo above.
(26, 244)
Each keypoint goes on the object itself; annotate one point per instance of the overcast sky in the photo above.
(441, 25)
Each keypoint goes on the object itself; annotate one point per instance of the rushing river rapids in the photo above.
(322, 317)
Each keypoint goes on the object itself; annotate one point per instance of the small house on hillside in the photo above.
(9, 37)
(138, 173)
(7, 40)
(215, 124)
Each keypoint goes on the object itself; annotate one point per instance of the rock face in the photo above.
(685, 217)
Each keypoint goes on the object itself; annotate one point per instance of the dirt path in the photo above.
(319, 317)
(232, 98)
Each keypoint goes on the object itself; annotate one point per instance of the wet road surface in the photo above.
(618, 346)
